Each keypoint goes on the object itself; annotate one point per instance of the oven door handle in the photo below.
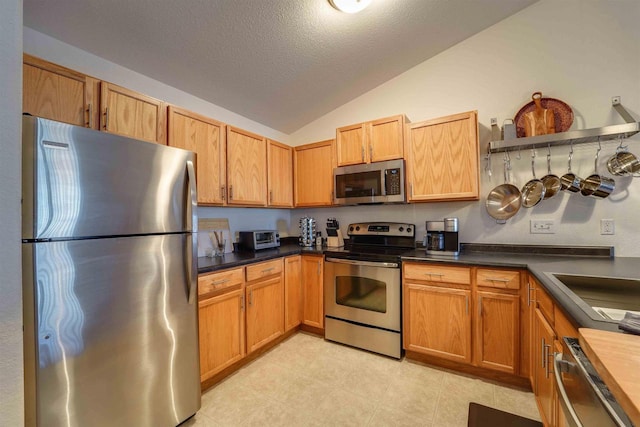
(363, 263)
(559, 366)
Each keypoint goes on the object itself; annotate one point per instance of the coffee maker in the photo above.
(442, 238)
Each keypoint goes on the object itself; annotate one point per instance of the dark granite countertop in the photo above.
(541, 266)
(240, 258)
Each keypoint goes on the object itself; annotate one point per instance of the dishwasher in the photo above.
(585, 399)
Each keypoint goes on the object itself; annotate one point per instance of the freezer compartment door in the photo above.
(115, 337)
(79, 182)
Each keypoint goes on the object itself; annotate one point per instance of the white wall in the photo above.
(11, 369)
(582, 52)
(251, 219)
(53, 50)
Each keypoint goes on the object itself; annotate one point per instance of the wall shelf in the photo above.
(605, 133)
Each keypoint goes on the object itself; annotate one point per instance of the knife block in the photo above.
(335, 241)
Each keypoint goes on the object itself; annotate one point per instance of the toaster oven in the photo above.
(258, 239)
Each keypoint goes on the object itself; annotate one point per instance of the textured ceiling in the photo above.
(282, 63)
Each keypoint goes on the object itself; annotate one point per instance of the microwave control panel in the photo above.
(392, 181)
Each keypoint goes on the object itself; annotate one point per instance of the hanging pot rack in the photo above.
(604, 133)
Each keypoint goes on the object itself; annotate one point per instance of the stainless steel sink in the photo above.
(607, 298)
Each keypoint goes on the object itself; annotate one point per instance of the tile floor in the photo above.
(307, 381)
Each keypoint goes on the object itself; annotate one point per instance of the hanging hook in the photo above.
(599, 146)
(570, 155)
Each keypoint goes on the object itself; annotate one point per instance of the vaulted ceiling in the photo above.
(282, 63)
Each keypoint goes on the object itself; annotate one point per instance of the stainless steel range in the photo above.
(362, 287)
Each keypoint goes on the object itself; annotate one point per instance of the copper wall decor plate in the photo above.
(562, 113)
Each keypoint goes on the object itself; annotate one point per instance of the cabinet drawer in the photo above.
(545, 303)
(220, 280)
(438, 273)
(264, 269)
(501, 279)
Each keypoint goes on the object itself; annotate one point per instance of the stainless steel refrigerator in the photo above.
(109, 279)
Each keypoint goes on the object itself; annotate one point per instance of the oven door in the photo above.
(363, 292)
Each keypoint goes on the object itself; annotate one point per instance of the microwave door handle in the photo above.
(560, 365)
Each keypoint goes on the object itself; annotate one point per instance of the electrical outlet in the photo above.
(543, 226)
(607, 226)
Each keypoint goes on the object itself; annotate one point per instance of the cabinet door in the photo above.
(265, 312)
(221, 332)
(206, 137)
(246, 168)
(497, 337)
(292, 292)
(543, 350)
(312, 294)
(313, 171)
(437, 321)
(57, 93)
(442, 159)
(132, 114)
(280, 174)
(385, 137)
(350, 145)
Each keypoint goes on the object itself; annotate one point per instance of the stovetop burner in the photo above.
(377, 241)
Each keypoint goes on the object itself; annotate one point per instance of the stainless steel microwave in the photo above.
(380, 182)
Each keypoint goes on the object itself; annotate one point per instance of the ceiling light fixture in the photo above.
(350, 6)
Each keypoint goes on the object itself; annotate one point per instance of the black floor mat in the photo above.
(483, 416)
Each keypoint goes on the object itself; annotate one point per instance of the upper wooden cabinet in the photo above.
(313, 172)
(206, 137)
(442, 159)
(128, 113)
(57, 93)
(373, 141)
(246, 168)
(279, 174)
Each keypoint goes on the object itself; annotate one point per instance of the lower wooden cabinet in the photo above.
(543, 368)
(312, 290)
(265, 311)
(437, 321)
(221, 332)
(292, 292)
(497, 337)
(463, 313)
(549, 326)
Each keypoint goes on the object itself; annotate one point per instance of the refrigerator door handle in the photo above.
(191, 259)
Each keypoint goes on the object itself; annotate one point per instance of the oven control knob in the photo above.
(408, 230)
(401, 229)
(357, 228)
(350, 228)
